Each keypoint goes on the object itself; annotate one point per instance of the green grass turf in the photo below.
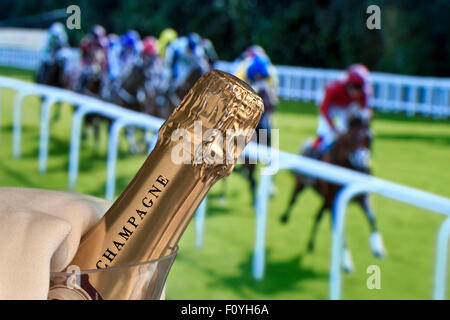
(412, 151)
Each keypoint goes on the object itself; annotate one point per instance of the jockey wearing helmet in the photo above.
(184, 55)
(55, 51)
(113, 61)
(165, 38)
(95, 41)
(113, 55)
(56, 40)
(256, 56)
(252, 57)
(150, 58)
(93, 55)
(131, 47)
(152, 63)
(149, 47)
(342, 98)
(257, 74)
(210, 52)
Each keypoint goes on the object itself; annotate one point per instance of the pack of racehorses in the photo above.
(136, 90)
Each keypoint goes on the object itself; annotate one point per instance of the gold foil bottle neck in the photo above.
(220, 101)
(224, 105)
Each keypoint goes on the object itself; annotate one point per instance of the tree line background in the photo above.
(413, 39)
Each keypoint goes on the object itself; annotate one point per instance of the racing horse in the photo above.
(139, 89)
(351, 150)
(90, 83)
(53, 73)
(172, 97)
(133, 92)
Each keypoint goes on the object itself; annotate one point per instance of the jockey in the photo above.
(256, 55)
(131, 47)
(257, 75)
(113, 55)
(152, 63)
(209, 51)
(184, 55)
(91, 43)
(56, 40)
(93, 54)
(342, 98)
(113, 60)
(165, 38)
(149, 48)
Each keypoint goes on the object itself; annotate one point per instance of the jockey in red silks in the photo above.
(343, 98)
(93, 54)
(95, 40)
(149, 48)
(152, 63)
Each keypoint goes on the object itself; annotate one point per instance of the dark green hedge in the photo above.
(414, 35)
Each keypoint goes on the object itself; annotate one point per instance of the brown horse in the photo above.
(131, 93)
(173, 97)
(138, 92)
(90, 83)
(52, 73)
(351, 150)
(127, 91)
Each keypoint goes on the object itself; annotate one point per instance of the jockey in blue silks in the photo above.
(183, 55)
(131, 47)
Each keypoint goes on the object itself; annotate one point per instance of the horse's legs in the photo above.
(299, 186)
(347, 260)
(365, 204)
(317, 220)
(376, 242)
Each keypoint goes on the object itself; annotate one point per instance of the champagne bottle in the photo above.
(149, 217)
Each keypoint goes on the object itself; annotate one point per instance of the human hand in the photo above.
(40, 233)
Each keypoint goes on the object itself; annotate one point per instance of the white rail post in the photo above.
(74, 154)
(44, 133)
(290, 86)
(17, 124)
(384, 96)
(200, 223)
(345, 195)
(412, 97)
(446, 110)
(113, 148)
(428, 100)
(397, 96)
(440, 273)
(261, 209)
